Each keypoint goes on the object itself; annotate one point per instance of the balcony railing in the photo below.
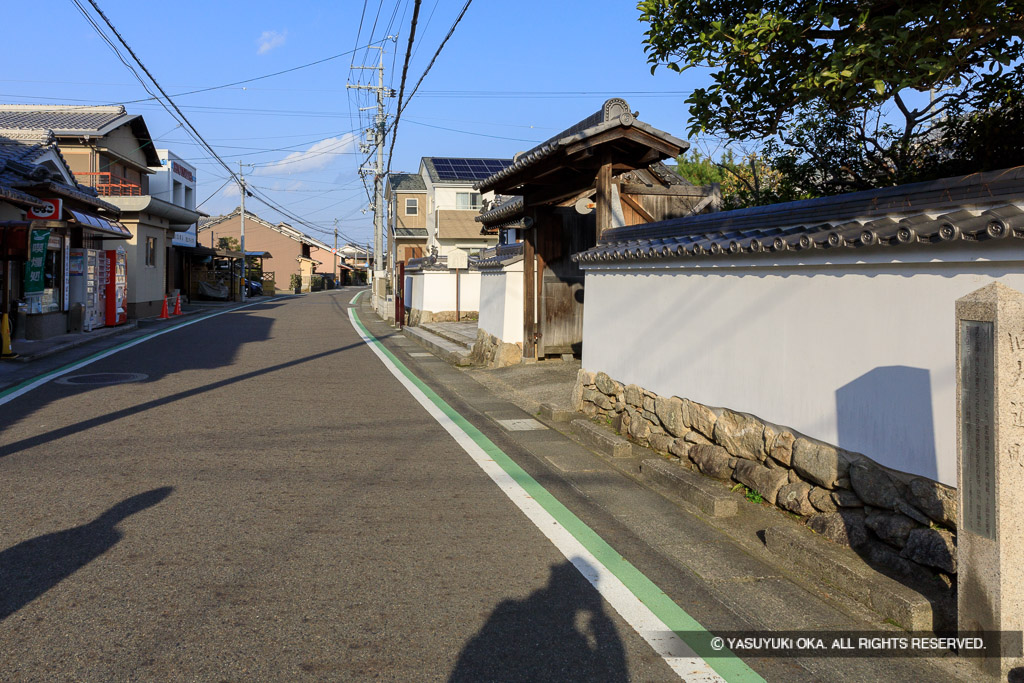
(110, 185)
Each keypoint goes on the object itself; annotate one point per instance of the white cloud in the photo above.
(321, 155)
(269, 40)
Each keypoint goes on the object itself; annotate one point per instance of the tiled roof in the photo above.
(979, 207)
(502, 255)
(19, 152)
(282, 228)
(407, 182)
(63, 119)
(614, 114)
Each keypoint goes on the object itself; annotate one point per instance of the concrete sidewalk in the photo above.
(745, 555)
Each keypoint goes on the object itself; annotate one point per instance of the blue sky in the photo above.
(511, 75)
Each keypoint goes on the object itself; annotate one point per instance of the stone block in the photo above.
(506, 355)
(680, 448)
(576, 398)
(740, 434)
(670, 413)
(600, 439)
(845, 498)
(648, 404)
(936, 500)
(585, 377)
(781, 448)
(707, 496)
(634, 395)
(932, 548)
(605, 384)
(699, 417)
(891, 527)
(697, 438)
(794, 497)
(819, 462)
(765, 481)
(845, 527)
(873, 485)
(712, 461)
(661, 442)
(821, 499)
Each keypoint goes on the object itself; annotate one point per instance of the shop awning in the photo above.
(111, 229)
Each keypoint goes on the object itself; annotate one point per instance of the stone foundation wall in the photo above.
(902, 521)
(418, 317)
(494, 353)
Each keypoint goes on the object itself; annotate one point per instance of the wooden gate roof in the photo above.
(568, 163)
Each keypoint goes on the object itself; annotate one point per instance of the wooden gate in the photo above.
(560, 314)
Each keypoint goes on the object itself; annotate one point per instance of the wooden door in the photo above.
(561, 291)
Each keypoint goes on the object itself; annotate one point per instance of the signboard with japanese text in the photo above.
(50, 212)
(36, 263)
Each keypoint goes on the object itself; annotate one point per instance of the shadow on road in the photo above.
(33, 567)
(131, 411)
(559, 633)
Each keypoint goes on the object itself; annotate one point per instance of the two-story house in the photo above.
(291, 251)
(112, 151)
(453, 204)
(47, 222)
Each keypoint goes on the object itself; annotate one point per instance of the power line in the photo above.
(138, 61)
(401, 88)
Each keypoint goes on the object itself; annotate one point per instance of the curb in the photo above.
(848, 574)
(689, 487)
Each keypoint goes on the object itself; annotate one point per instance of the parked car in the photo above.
(253, 288)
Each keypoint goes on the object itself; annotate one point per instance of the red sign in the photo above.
(182, 171)
(50, 212)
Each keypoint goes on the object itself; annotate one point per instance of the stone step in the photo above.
(704, 494)
(601, 440)
(456, 354)
(459, 334)
(844, 570)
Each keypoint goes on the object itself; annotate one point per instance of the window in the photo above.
(412, 206)
(467, 200)
(150, 251)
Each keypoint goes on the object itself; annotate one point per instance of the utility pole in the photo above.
(241, 189)
(375, 137)
(337, 275)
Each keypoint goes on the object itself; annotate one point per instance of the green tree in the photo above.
(831, 83)
(229, 243)
(743, 182)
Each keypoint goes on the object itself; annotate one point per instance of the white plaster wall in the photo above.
(856, 349)
(501, 302)
(434, 290)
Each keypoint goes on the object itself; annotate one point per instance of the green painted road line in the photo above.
(725, 663)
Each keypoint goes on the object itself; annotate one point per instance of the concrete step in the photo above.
(456, 354)
(460, 334)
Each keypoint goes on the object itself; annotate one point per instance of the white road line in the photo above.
(679, 656)
(7, 398)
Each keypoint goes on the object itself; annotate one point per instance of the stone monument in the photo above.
(990, 471)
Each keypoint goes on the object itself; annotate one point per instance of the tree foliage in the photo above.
(745, 181)
(831, 83)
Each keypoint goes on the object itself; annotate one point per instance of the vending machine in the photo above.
(88, 281)
(117, 286)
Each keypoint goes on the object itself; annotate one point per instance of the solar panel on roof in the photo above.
(468, 169)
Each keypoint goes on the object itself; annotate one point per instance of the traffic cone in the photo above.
(163, 311)
(177, 305)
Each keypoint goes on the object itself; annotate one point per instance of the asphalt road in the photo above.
(255, 497)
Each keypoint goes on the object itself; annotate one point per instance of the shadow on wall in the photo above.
(887, 415)
(558, 633)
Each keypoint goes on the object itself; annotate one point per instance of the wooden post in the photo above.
(603, 201)
(529, 290)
